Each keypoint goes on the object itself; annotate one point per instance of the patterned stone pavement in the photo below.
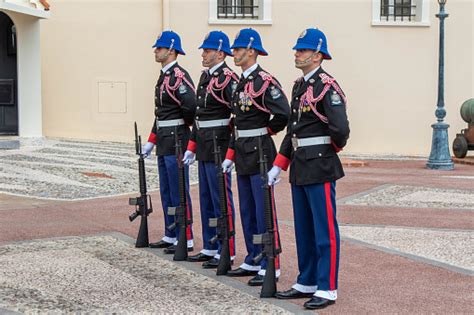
(449, 247)
(414, 196)
(105, 275)
(74, 170)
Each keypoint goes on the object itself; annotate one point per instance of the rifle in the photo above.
(141, 203)
(224, 233)
(181, 220)
(270, 250)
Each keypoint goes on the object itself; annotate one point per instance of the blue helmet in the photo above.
(217, 40)
(171, 40)
(249, 38)
(313, 39)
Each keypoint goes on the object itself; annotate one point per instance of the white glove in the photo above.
(273, 175)
(227, 166)
(189, 157)
(146, 150)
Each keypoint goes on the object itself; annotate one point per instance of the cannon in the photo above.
(464, 141)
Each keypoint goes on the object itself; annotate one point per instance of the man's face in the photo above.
(160, 54)
(239, 56)
(304, 57)
(209, 58)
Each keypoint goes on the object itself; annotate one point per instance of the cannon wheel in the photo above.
(460, 147)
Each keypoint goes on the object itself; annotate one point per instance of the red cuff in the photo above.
(230, 154)
(192, 146)
(282, 161)
(152, 138)
(336, 148)
(271, 131)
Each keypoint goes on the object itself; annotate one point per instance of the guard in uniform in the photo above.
(317, 130)
(261, 110)
(175, 106)
(213, 119)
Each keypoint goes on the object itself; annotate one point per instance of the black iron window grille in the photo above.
(237, 9)
(397, 10)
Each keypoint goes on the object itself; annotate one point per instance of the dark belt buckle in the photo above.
(294, 143)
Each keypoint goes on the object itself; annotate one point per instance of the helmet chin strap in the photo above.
(166, 55)
(214, 56)
(246, 50)
(241, 58)
(307, 60)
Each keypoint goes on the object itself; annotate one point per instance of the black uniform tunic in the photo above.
(248, 116)
(167, 108)
(316, 163)
(210, 108)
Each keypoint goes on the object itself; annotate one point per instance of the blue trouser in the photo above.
(209, 201)
(169, 191)
(252, 215)
(317, 235)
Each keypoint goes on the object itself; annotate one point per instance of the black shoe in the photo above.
(160, 244)
(211, 263)
(257, 281)
(292, 294)
(199, 257)
(317, 302)
(171, 249)
(239, 272)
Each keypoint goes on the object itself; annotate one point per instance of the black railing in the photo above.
(397, 10)
(237, 9)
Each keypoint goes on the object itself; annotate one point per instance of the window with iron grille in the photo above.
(397, 10)
(237, 9)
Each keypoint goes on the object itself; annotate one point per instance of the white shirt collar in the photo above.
(247, 72)
(211, 70)
(309, 75)
(168, 66)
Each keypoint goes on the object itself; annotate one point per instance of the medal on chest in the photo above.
(305, 106)
(244, 102)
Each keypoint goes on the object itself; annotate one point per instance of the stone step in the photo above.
(9, 144)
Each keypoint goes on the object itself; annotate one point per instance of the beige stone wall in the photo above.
(388, 73)
(89, 42)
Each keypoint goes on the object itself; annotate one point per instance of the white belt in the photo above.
(250, 133)
(212, 123)
(305, 142)
(169, 123)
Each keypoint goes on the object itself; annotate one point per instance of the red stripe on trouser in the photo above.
(275, 229)
(188, 228)
(332, 237)
(231, 223)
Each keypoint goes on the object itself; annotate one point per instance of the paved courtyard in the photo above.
(66, 243)
(73, 170)
(108, 275)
